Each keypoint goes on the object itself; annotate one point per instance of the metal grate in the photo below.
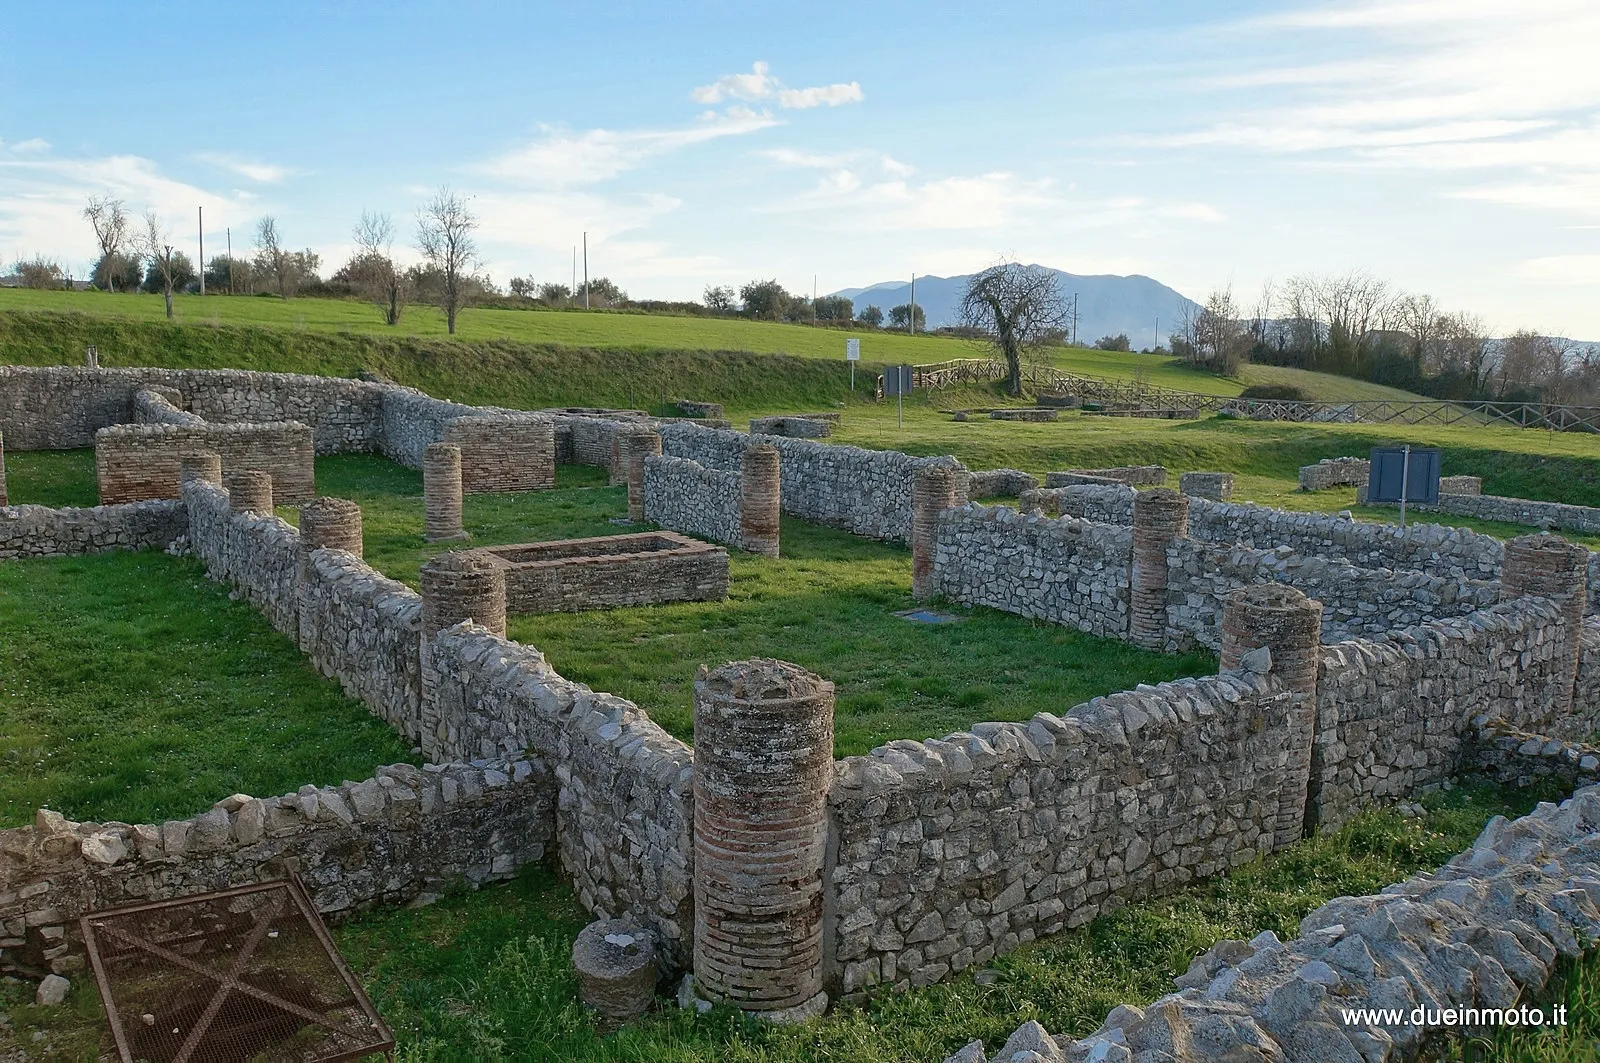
(245, 975)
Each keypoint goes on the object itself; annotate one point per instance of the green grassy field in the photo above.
(595, 331)
(487, 975)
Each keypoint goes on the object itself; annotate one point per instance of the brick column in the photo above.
(200, 465)
(760, 500)
(633, 446)
(763, 761)
(933, 490)
(3, 501)
(331, 523)
(441, 493)
(1160, 515)
(1289, 625)
(250, 492)
(462, 585)
(1548, 566)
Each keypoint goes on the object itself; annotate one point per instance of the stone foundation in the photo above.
(1001, 483)
(793, 427)
(571, 575)
(1047, 413)
(1335, 472)
(1216, 486)
(1132, 475)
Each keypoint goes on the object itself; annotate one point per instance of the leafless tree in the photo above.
(374, 271)
(273, 259)
(444, 236)
(165, 261)
(1214, 337)
(109, 217)
(1018, 308)
(39, 272)
(1419, 317)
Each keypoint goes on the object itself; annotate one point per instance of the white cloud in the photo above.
(1562, 269)
(759, 86)
(260, 172)
(562, 158)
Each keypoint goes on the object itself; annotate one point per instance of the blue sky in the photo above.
(1450, 146)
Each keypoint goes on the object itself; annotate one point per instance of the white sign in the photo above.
(852, 350)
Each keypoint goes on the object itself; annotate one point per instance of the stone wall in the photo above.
(39, 531)
(151, 406)
(866, 492)
(1217, 486)
(1461, 485)
(410, 420)
(793, 427)
(950, 852)
(257, 553)
(137, 462)
(1393, 713)
(1335, 472)
(1509, 757)
(405, 834)
(505, 452)
(688, 497)
(1001, 483)
(1065, 571)
(624, 808)
(610, 571)
(1133, 475)
(1583, 520)
(1483, 932)
(1104, 502)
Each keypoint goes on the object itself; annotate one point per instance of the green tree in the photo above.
(764, 300)
(899, 315)
(871, 315)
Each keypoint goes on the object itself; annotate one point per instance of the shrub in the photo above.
(1283, 392)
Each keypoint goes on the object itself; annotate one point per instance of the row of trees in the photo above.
(768, 300)
(1360, 326)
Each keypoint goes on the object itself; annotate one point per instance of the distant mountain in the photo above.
(1107, 304)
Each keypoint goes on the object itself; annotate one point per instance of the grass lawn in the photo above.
(487, 975)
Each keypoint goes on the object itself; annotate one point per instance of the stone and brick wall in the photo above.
(688, 497)
(40, 531)
(953, 851)
(403, 834)
(505, 452)
(607, 572)
(137, 462)
(866, 492)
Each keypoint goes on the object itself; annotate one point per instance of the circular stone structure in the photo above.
(1283, 620)
(763, 741)
(251, 492)
(200, 465)
(331, 523)
(1545, 565)
(464, 585)
(441, 493)
(760, 500)
(616, 966)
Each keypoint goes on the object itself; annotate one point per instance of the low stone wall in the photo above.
(151, 406)
(688, 497)
(1217, 486)
(505, 452)
(624, 810)
(1584, 520)
(1335, 472)
(951, 852)
(404, 834)
(1065, 571)
(610, 571)
(138, 462)
(1482, 932)
(866, 492)
(258, 553)
(1132, 475)
(793, 427)
(1511, 757)
(1104, 502)
(1037, 414)
(1461, 485)
(1393, 712)
(40, 531)
(1001, 483)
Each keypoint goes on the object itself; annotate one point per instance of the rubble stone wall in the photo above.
(403, 834)
(40, 531)
(257, 553)
(134, 462)
(1584, 520)
(151, 406)
(1335, 472)
(950, 852)
(688, 497)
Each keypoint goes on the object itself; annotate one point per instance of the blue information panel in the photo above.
(1391, 465)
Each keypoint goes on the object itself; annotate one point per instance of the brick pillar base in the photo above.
(763, 742)
(441, 493)
(250, 492)
(633, 446)
(1160, 516)
(1547, 566)
(933, 490)
(200, 465)
(331, 523)
(760, 500)
(1289, 625)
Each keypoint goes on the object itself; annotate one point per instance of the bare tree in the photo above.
(444, 236)
(720, 298)
(272, 258)
(166, 262)
(374, 271)
(1019, 308)
(109, 217)
(1213, 336)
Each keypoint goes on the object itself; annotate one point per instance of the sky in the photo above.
(1449, 146)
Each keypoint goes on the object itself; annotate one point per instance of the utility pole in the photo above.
(813, 298)
(586, 270)
(229, 231)
(1158, 332)
(574, 289)
(1074, 319)
(202, 250)
(911, 309)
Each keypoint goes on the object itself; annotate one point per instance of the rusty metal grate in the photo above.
(244, 975)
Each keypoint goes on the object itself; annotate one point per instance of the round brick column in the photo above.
(1547, 566)
(200, 465)
(633, 446)
(441, 493)
(463, 585)
(933, 490)
(1160, 515)
(251, 492)
(331, 523)
(760, 500)
(1289, 625)
(763, 761)
(3, 470)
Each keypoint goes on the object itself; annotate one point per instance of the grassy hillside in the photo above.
(634, 333)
